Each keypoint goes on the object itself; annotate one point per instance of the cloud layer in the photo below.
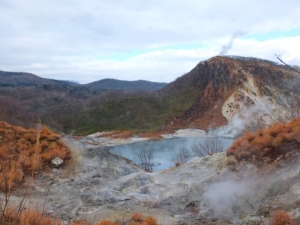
(133, 39)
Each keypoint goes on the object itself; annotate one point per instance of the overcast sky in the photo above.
(156, 40)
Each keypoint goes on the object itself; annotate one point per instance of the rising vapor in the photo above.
(228, 46)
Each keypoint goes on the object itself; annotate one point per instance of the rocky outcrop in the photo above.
(57, 162)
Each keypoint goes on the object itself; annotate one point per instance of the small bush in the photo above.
(27, 217)
(23, 151)
(137, 217)
(107, 222)
(281, 218)
(267, 144)
(80, 223)
(150, 220)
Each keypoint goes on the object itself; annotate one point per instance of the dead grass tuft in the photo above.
(150, 220)
(107, 222)
(137, 217)
(281, 218)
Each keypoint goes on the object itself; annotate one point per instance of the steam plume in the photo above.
(222, 197)
(228, 46)
(248, 118)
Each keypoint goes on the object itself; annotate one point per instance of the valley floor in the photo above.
(96, 185)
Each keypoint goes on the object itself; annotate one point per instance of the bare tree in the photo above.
(182, 155)
(145, 159)
(208, 146)
(286, 64)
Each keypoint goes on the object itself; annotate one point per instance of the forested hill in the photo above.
(113, 84)
(15, 79)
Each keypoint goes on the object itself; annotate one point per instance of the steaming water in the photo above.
(164, 150)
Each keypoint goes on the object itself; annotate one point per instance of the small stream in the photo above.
(164, 151)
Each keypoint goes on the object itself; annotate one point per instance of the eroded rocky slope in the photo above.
(234, 89)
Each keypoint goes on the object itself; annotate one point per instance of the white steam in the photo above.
(226, 198)
(228, 46)
(247, 119)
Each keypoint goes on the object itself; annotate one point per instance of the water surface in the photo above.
(164, 151)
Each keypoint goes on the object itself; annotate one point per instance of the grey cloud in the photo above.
(76, 31)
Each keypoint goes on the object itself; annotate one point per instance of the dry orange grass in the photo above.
(107, 222)
(267, 143)
(80, 223)
(137, 217)
(118, 134)
(152, 135)
(128, 134)
(23, 151)
(150, 220)
(281, 218)
(27, 217)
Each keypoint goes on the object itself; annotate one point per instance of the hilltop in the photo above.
(15, 79)
(241, 88)
(113, 84)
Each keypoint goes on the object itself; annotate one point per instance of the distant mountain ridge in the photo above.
(15, 79)
(113, 84)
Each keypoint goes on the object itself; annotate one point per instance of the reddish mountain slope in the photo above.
(234, 86)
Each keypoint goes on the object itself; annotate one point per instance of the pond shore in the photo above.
(100, 139)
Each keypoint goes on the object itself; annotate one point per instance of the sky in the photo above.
(157, 40)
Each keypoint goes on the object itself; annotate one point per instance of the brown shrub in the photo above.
(27, 217)
(244, 155)
(28, 150)
(262, 141)
(117, 134)
(150, 220)
(137, 217)
(80, 223)
(278, 140)
(249, 136)
(36, 218)
(281, 218)
(267, 143)
(11, 175)
(107, 222)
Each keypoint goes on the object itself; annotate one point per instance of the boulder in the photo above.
(57, 162)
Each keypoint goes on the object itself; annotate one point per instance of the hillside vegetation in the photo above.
(129, 113)
(24, 151)
(267, 145)
(82, 110)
